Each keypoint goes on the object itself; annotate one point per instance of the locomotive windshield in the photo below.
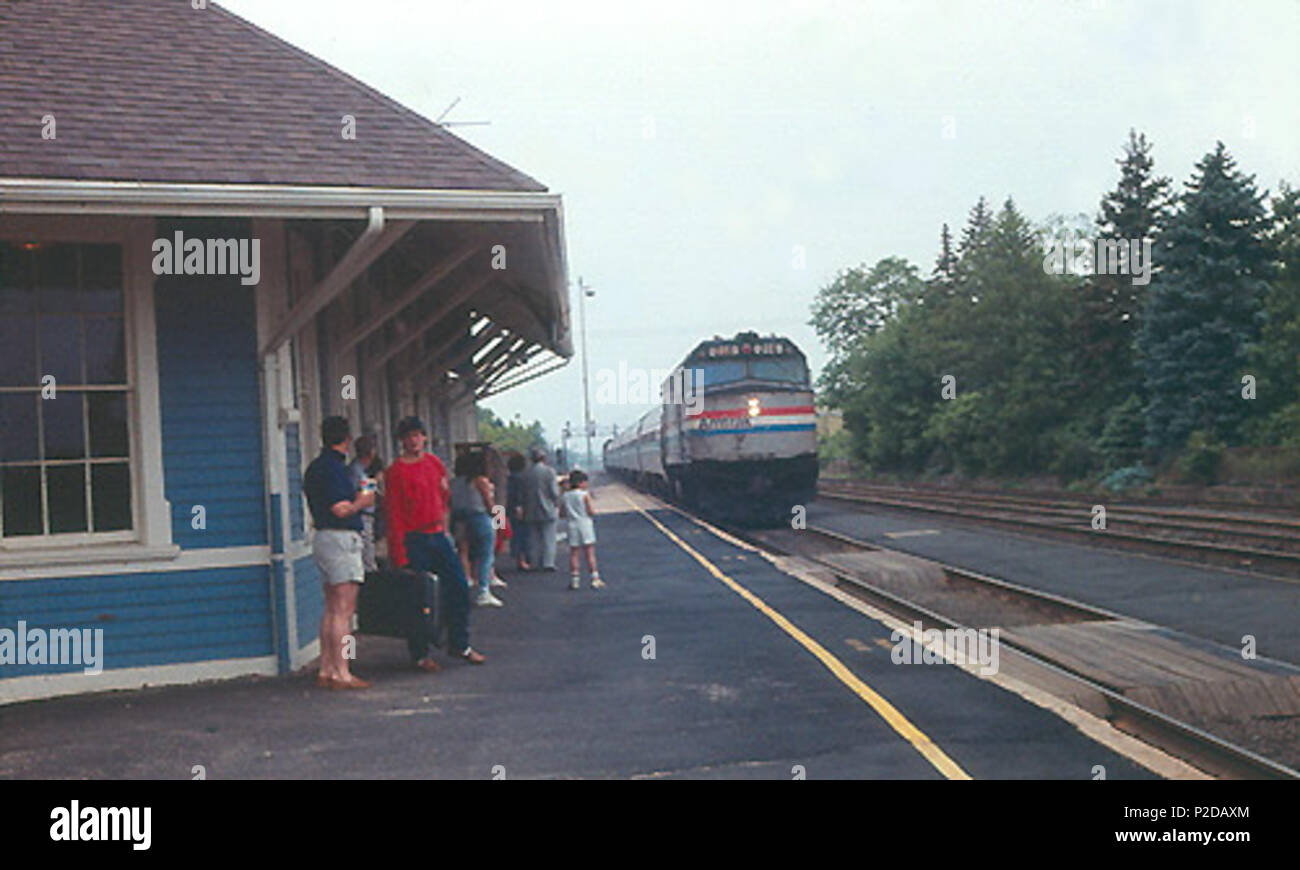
(716, 373)
(784, 370)
(788, 369)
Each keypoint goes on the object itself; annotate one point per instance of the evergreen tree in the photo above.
(945, 266)
(941, 287)
(1276, 359)
(1005, 349)
(971, 252)
(978, 228)
(1205, 308)
(1111, 305)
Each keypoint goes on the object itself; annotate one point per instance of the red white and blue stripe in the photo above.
(739, 421)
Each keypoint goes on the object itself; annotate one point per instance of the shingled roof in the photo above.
(154, 90)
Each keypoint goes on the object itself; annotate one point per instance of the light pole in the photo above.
(583, 292)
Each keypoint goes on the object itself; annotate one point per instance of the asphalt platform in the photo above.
(570, 691)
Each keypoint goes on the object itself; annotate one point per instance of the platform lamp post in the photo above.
(564, 439)
(583, 292)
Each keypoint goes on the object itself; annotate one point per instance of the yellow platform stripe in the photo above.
(887, 711)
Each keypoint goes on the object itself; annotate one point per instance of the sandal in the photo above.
(337, 683)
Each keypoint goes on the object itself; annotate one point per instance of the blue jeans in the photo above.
(434, 552)
(519, 543)
(482, 547)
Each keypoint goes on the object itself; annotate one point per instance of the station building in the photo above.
(209, 241)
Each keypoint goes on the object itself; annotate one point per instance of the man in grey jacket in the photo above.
(541, 494)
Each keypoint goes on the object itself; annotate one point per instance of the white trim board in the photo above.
(110, 562)
(53, 685)
(61, 196)
(305, 655)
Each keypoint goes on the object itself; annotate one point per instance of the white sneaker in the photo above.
(487, 599)
(498, 583)
(575, 582)
(597, 583)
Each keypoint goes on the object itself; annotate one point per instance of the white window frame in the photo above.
(151, 534)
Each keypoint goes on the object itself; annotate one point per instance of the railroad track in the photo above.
(1207, 751)
(1261, 543)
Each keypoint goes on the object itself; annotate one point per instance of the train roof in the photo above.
(744, 344)
(632, 432)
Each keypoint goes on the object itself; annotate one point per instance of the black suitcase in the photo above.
(401, 603)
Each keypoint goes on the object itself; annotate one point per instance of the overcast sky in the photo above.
(699, 145)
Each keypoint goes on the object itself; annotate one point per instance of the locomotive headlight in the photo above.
(755, 407)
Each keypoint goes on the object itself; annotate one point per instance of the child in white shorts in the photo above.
(578, 509)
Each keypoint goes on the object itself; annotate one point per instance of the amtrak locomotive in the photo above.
(734, 435)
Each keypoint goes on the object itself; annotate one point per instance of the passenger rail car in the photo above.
(734, 435)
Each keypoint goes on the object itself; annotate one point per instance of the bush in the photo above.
(1280, 429)
(1200, 460)
(1128, 478)
(837, 445)
(1261, 466)
(960, 426)
(1120, 443)
(1075, 459)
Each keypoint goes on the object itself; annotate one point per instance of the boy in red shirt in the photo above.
(418, 500)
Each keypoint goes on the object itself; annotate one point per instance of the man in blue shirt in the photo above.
(336, 504)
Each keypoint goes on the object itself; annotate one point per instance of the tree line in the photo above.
(998, 364)
(510, 435)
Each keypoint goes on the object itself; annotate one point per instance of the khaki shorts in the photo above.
(582, 531)
(337, 553)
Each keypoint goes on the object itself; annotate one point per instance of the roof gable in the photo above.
(154, 90)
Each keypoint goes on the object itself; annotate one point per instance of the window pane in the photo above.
(789, 369)
(20, 489)
(65, 437)
(66, 487)
(101, 278)
(18, 427)
(111, 495)
(56, 275)
(61, 349)
(723, 372)
(105, 350)
(17, 292)
(18, 351)
(107, 424)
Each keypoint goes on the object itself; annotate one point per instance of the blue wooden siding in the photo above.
(158, 618)
(309, 598)
(211, 408)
